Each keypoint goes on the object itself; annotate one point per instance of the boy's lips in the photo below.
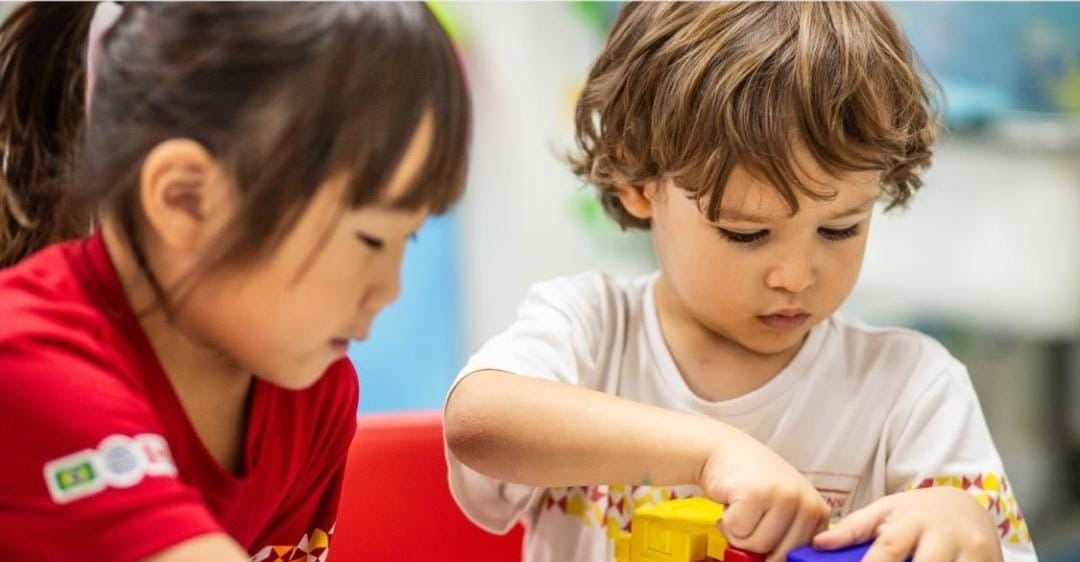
(786, 312)
(787, 319)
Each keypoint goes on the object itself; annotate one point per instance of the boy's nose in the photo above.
(793, 275)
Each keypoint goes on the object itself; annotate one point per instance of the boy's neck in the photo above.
(714, 367)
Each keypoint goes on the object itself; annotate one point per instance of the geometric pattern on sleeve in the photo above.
(605, 506)
(313, 547)
(994, 493)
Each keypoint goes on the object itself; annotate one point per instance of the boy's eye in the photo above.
(836, 234)
(743, 237)
(370, 241)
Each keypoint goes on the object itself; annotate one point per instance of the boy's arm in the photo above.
(544, 433)
(945, 476)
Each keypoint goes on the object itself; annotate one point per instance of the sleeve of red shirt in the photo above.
(62, 403)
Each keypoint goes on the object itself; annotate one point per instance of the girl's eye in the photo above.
(370, 241)
(743, 237)
(837, 234)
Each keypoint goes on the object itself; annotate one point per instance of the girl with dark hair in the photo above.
(198, 212)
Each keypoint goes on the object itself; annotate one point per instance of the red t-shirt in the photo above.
(101, 461)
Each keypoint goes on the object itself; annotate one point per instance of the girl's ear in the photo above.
(183, 194)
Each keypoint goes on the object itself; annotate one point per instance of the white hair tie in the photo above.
(105, 16)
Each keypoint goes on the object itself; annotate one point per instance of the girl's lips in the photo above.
(339, 346)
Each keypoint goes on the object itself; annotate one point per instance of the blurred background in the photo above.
(987, 259)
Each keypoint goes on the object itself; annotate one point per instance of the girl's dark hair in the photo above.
(284, 95)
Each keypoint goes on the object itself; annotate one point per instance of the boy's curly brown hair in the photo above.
(687, 91)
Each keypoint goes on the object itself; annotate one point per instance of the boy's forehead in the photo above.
(750, 197)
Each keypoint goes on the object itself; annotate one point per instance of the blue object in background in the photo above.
(414, 349)
(996, 58)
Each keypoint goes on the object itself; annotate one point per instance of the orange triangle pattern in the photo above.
(313, 547)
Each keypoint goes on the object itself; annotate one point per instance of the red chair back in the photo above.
(396, 504)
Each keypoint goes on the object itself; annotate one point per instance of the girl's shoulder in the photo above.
(52, 307)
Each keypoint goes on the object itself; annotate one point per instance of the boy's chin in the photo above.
(774, 344)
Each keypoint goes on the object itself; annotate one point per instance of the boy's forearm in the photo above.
(542, 433)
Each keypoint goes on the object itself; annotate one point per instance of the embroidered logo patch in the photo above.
(836, 489)
(118, 461)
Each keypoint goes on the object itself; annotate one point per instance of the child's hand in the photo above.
(771, 507)
(930, 525)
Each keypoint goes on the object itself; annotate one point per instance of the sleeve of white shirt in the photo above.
(938, 437)
(553, 338)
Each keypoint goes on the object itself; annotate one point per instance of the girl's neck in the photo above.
(714, 367)
(173, 345)
(211, 387)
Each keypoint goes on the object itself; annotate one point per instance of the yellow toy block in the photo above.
(622, 547)
(676, 531)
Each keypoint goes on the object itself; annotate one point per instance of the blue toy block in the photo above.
(809, 554)
(850, 554)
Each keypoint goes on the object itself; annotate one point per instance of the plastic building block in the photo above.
(622, 547)
(809, 554)
(676, 531)
(850, 554)
(733, 554)
(685, 530)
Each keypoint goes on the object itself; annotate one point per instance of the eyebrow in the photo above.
(739, 216)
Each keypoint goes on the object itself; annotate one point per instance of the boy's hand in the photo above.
(771, 507)
(929, 525)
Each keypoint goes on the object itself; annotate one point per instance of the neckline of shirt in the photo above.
(772, 390)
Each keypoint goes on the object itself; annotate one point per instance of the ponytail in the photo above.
(42, 110)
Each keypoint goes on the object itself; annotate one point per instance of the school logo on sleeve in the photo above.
(118, 461)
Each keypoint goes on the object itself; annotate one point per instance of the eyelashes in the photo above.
(378, 243)
(371, 242)
(837, 234)
(743, 237)
(830, 234)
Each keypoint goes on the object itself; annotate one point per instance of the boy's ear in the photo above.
(637, 199)
(182, 194)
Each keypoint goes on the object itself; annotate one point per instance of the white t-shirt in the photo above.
(861, 412)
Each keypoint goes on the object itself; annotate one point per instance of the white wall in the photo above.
(993, 239)
(526, 63)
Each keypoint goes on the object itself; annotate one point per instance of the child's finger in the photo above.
(894, 544)
(934, 547)
(858, 527)
(771, 528)
(802, 530)
(742, 517)
(968, 556)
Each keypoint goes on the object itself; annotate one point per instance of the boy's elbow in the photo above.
(466, 431)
